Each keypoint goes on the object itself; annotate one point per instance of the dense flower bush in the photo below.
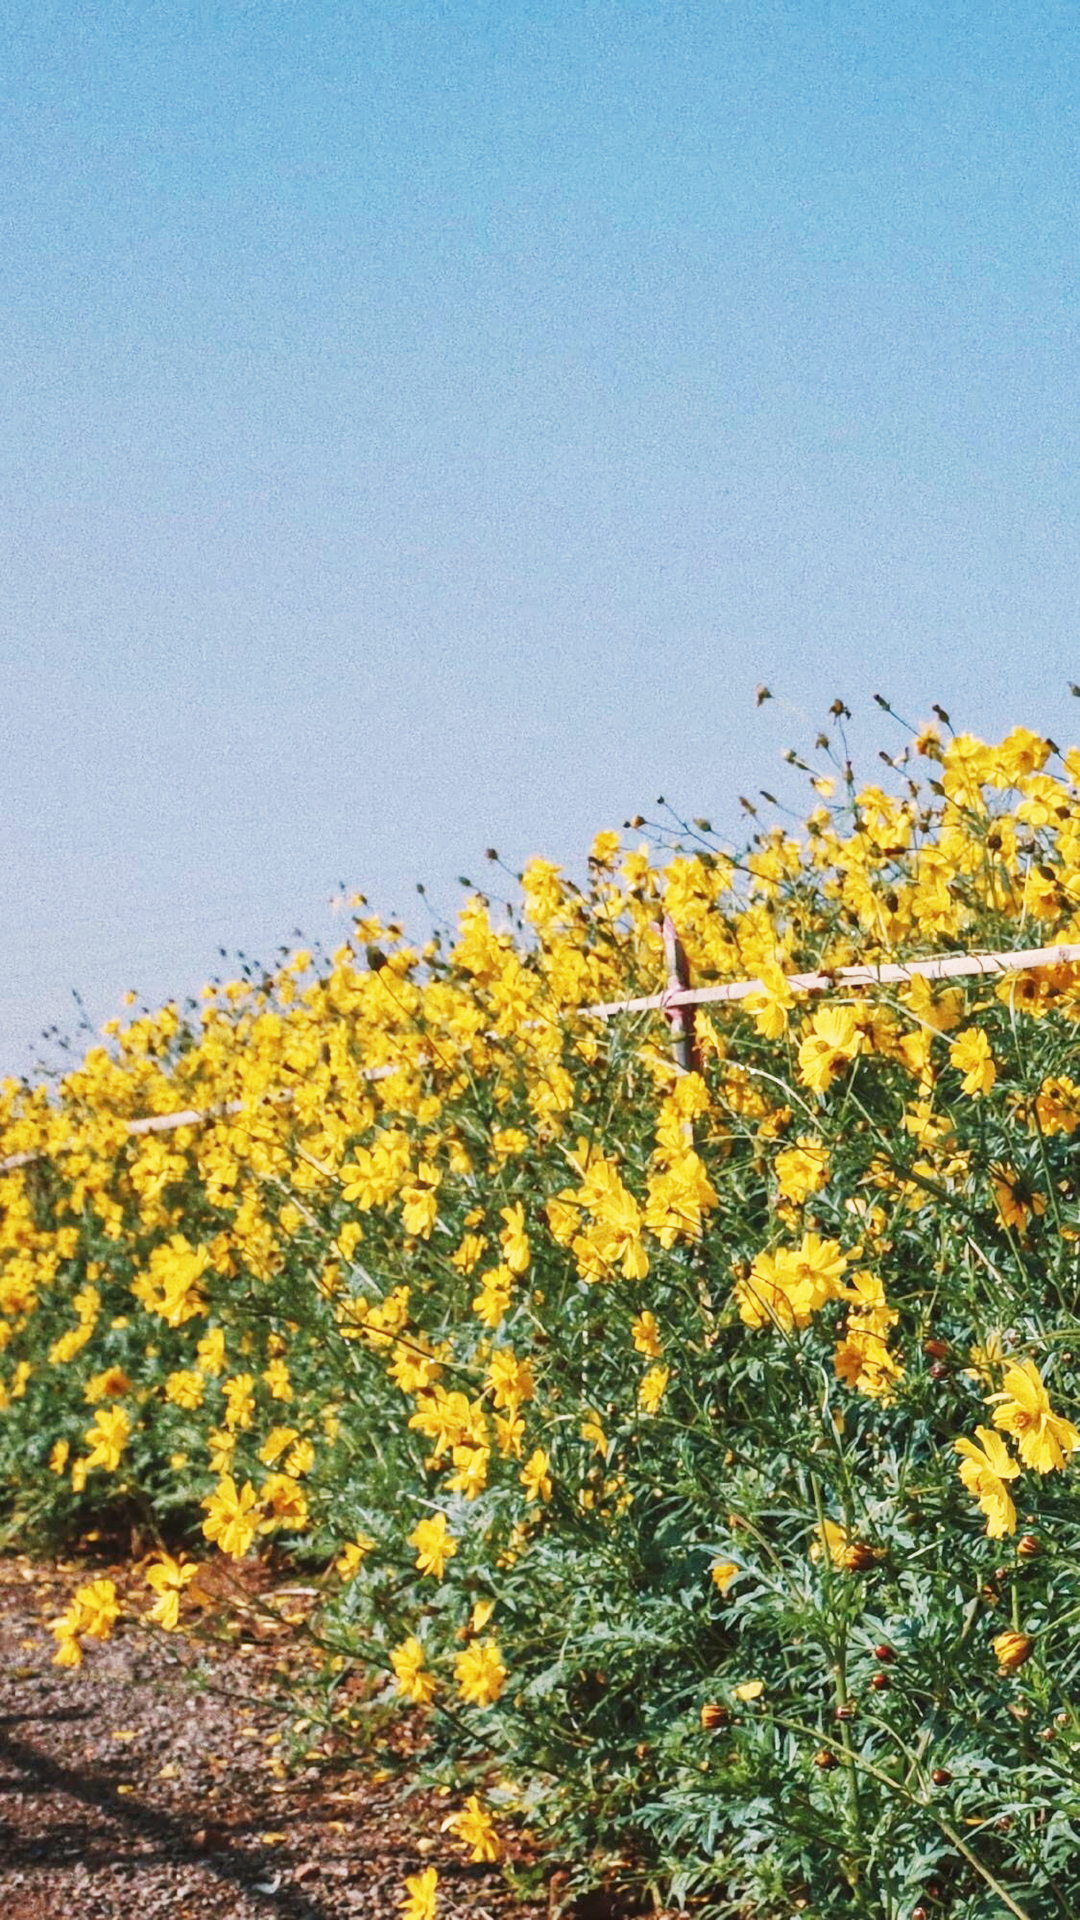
(693, 1450)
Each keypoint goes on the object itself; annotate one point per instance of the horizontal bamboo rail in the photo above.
(674, 997)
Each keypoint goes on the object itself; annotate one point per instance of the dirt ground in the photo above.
(128, 1791)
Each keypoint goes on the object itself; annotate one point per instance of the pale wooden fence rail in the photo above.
(677, 995)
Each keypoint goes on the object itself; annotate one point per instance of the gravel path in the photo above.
(128, 1791)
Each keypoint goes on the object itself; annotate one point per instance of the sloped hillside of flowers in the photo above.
(694, 1450)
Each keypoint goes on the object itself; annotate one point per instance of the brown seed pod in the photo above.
(941, 1776)
(825, 1759)
(885, 1654)
(880, 1682)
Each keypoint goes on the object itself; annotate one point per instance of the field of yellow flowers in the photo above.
(692, 1449)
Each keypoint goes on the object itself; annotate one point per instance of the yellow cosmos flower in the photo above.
(984, 1470)
(420, 1898)
(108, 1437)
(352, 1556)
(646, 1335)
(833, 1040)
(480, 1673)
(1045, 1439)
(232, 1516)
(410, 1672)
(802, 1169)
(653, 1388)
(535, 1476)
(434, 1545)
(473, 1827)
(168, 1578)
(513, 1239)
(970, 1053)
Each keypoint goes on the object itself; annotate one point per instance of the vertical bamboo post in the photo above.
(679, 1019)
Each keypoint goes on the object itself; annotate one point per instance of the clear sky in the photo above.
(423, 421)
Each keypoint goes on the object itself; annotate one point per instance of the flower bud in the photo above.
(1028, 1546)
(713, 1716)
(880, 1682)
(885, 1654)
(941, 1776)
(1012, 1649)
(825, 1759)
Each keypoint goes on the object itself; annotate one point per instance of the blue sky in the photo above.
(423, 424)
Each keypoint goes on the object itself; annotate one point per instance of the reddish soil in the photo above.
(149, 1783)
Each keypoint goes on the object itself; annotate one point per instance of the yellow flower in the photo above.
(108, 1437)
(284, 1503)
(653, 1388)
(353, 1555)
(185, 1389)
(1016, 1200)
(646, 1335)
(834, 1039)
(970, 1054)
(473, 1827)
(277, 1442)
(232, 1517)
(987, 1360)
(434, 1546)
(772, 1005)
(535, 1476)
(168, 1578)
(722, 1573)
(802, 1169)
(480, 1673)
(92, 1612)
(983, 1470)
(420, 1897)
(510, 1380)
(410, 1672)
(1045, 1439)
(749, 1690)
(1012, 1649)
(513, 1239)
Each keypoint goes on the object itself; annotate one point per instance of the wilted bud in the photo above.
(1012, 1649)
(825, 1759)
(859, 1555)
